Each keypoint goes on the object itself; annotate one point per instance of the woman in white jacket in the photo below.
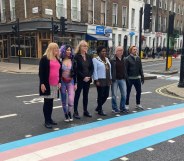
(102, 77)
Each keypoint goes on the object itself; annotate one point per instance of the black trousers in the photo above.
(85, 87)
(103, 94)
(137, 85)
(47, 109)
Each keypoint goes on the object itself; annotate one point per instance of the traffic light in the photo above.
(15, 29)
(63, 25)
(147, 16)
(55, 29)
(171, 23)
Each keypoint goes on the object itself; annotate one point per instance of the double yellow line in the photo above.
(159, 91)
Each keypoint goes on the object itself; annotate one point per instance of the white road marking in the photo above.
(57, 107)
(99, 119)
(149, 108)
(150, 149)
(97, 138)
(28, 136)
(124, 158)
(171, 141)
(55, 129)
(10, 115)
(27, 95)
(146, 92)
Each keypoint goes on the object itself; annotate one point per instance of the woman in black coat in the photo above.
(49, 74)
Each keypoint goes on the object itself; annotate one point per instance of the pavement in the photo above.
(33, 69)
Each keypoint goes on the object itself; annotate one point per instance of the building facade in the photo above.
(157, 35)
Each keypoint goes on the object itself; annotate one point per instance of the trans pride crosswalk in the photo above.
(103, 140)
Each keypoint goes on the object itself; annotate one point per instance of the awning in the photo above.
(97, 37)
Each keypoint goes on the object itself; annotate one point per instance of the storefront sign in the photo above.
(100, 30)
(108, 30)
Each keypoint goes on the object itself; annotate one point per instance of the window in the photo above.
(175, 7)
(12, 10)
(179, 9)
(124, 16)
(153, 23)
(133, 19)
(76, 10)
(159, 23)
(61, 8)
(90, 11)
(154, 2)
(3, 14)
(160, 3)
(103, 13)
(119, 39)
(114, 14)
(147, 1)
(165, 5)
(170, 8)
(164, 24)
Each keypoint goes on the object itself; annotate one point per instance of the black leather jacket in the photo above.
(134, 67)
(113, 68)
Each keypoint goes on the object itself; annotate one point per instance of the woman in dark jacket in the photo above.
(49, 74)
(84, 70)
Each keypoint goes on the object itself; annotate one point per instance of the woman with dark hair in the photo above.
(68, 81)
(102, 77)
(84, 71)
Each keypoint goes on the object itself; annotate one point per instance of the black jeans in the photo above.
(85, 86)
(137, 85)
(103, 94)
(47, 109)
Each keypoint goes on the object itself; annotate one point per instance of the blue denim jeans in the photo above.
(121, 84)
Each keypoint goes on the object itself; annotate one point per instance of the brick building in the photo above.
(160, 16)
(93, 20)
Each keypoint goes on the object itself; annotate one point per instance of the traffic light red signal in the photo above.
(63, 24)
(147, 16)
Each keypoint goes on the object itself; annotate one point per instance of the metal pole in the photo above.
(168, 36)
(181, 81)
(52, 23)
(140, 30)
(19, 53)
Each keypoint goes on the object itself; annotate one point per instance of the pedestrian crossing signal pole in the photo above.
(140, 30)
(181, 81)
(19, 52)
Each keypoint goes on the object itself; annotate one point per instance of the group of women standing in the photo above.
(62, 70)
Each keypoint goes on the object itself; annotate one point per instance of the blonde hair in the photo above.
(50, 49)
(117, 48)
(78, 48)
(130, 49)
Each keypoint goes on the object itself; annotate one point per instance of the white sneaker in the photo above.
(139, 107)
(127, 107)
(66, 120)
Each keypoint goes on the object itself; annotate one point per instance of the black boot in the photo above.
(70, 116)
(66, 118)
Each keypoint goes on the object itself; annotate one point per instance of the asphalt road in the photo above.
(21, 111)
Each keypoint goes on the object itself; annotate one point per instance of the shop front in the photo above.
(34, 39)
(96, 36)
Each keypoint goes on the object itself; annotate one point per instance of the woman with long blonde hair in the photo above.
(50, 75)
(84, 71)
